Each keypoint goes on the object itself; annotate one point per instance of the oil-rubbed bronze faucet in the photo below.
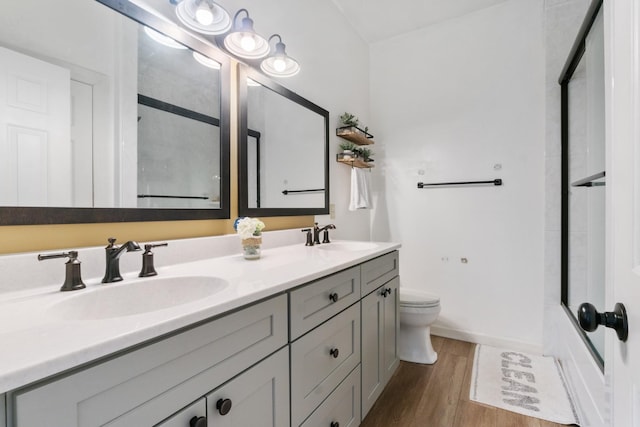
(72, 278)
(317, 230)
(148, 269)
(113, 252)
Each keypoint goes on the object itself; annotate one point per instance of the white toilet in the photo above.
(418, 310)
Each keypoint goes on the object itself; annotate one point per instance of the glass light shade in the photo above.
(246, 43)
(204, 16)
(280, 64)
(162, 39)
(206, 61)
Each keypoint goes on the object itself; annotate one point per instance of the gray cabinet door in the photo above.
(258, 398)
(372, 308)
(318, 301)
(341, 407)
(183, 418)
(145, 386)
(379, 271)
(321, 359)
(391, 328)
(380, 323)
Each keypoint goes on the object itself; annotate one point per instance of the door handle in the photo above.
(590, 319)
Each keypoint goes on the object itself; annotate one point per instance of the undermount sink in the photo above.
(136, 297)
(348, 246)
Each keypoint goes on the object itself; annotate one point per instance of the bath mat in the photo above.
(523, 383)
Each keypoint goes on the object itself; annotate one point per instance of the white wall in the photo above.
(448, 103)
(334, 74)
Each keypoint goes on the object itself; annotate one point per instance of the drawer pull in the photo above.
(334, 352)
(198, 422)
(335, 424)
(223, 406)
(333, 297)
(386, 292)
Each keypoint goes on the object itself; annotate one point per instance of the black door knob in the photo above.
(335, 424)
(334, 352)
(198, 422)
(223, 406)
(333, 297)
(590, 319)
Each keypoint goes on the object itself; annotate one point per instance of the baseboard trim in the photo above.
(458, 334)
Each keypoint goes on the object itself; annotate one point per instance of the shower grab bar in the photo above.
(497, 181)
(285, 192)
(160, 196)
(588, 181)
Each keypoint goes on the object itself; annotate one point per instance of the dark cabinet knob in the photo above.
(385, 292)
(198, 422)
(333, 297)
(335, 424)
(334, 352)
(223, 406)
(590, 319)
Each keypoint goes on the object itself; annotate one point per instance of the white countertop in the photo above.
(36, 342)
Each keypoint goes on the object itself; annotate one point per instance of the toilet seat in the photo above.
(417, 299)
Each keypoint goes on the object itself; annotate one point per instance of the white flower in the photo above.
(247, 227)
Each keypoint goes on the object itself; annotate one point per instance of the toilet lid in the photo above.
(416, 298)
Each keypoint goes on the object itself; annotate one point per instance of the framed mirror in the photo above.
(110, 111)
(283, 151)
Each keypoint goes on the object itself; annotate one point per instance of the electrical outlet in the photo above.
(332, 211)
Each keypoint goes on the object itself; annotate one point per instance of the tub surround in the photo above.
(43, 343)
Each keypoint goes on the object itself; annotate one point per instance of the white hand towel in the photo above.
(360, 198)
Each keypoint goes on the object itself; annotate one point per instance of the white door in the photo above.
(35, 148)
(622, 370)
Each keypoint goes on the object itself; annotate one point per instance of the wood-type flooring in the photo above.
(438, 395)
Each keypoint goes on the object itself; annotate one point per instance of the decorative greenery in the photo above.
(349, 119)
(363, 152)
(348, 146)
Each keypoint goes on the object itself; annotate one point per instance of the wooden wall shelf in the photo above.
(355, 135)
(354, 162)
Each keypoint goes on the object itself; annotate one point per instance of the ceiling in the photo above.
(377, 20)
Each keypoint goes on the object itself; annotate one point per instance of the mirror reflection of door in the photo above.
(35, 142)
(586, 190)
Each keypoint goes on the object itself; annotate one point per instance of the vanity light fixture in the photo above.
(203, 16)
(243, 41)
(162, 39)
(279, 64)
(206, 61)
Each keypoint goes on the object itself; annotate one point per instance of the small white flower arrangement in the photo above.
(248, 227)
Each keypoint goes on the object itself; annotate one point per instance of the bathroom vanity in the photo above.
(305, 336)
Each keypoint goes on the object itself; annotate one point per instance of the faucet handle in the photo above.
(112, 242)
(73, 277)
(309, 236)
(148, 268)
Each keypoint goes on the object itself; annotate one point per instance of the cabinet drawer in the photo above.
(258, 397)
(157, 380)
(378, 271)
(342, 406)
(320, 300)
(316, 369)
(182, 418)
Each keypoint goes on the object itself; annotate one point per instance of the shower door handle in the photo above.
(590, 319)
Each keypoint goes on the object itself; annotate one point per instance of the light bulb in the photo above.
(279, 64)
(204, 15)
(248, 43)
